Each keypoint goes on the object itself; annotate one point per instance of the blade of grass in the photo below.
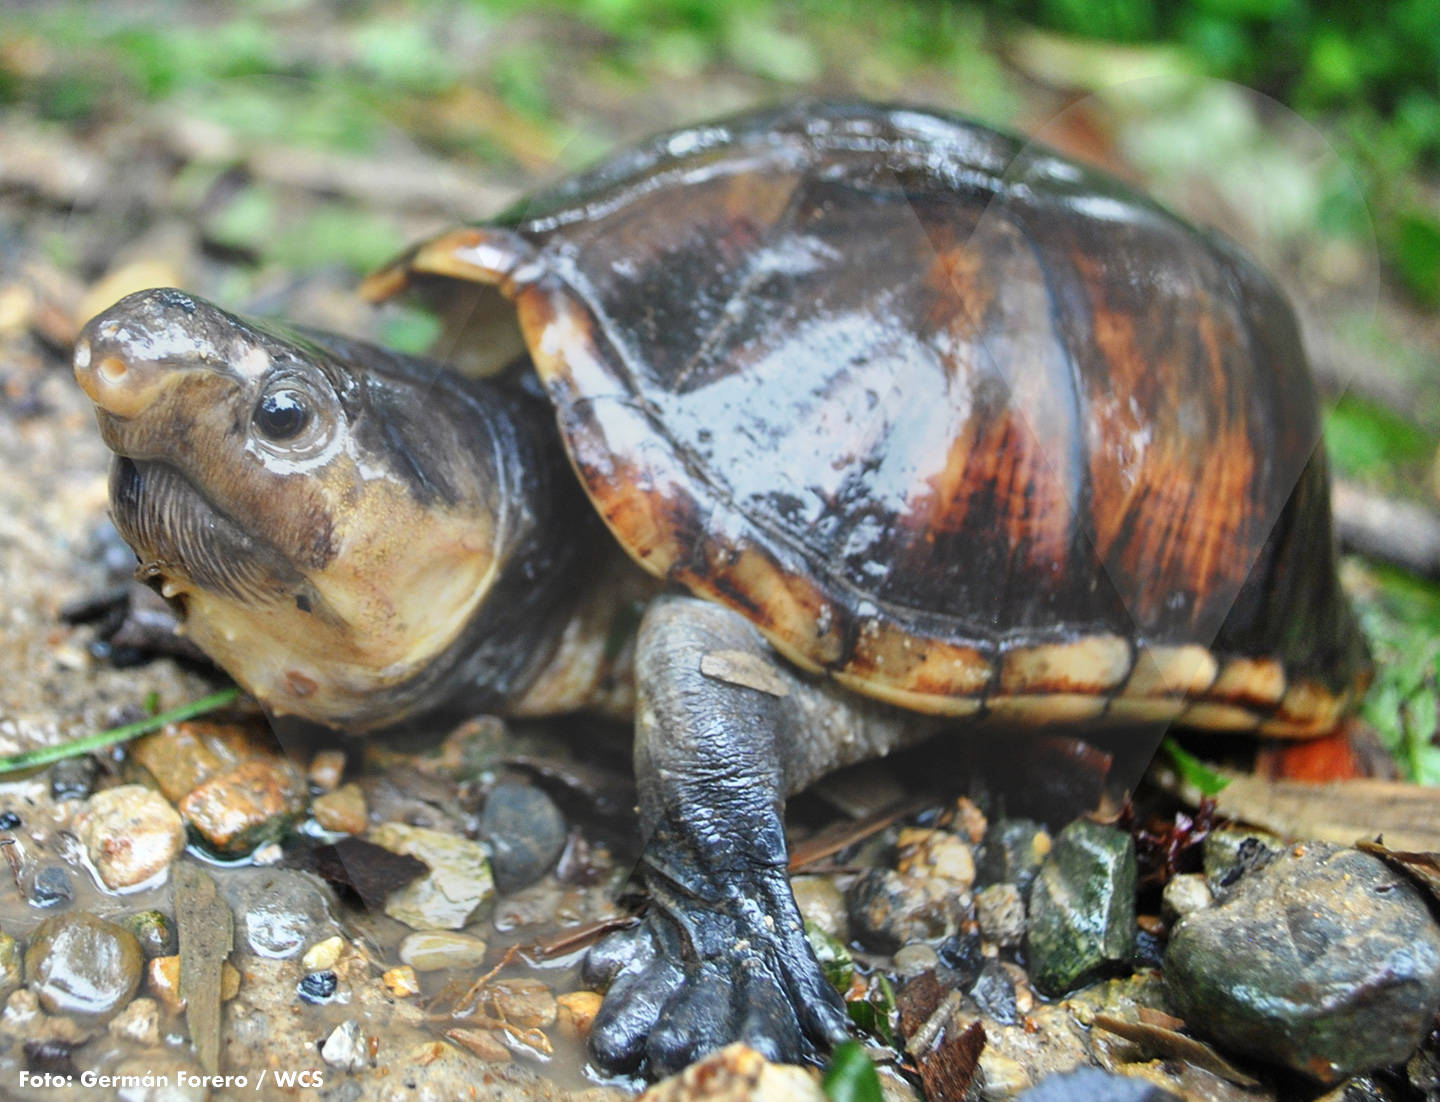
(29, 759)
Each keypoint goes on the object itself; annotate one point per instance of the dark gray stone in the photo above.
(526, 833)
(1324, 960)
(1094, 1085)
(889, 909)
(1082, 908)
(73, 778)
(51, 887)
(994, 994)
(1012, 852)
(278, 912)
(81, 964)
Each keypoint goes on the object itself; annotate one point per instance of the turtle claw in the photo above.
(701, 979)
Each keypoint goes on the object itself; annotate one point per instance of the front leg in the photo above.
(723, 733)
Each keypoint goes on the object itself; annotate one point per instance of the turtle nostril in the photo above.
(112, 369)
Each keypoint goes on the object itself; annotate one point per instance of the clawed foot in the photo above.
(690, 979)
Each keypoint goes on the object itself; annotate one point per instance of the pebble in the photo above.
(342, 811)
(73, 778)
(575, 1013)
(322, 956)
(915, 958)
(937, 854)
(737, 1072)
(1082, 907)
(1092, 1085)
(9, 820)
(1324, 960)
(52, 886)
(434, 950)
(162, 979)
(1184, 895)
(483, 1043)
(139, 1022)
(458, 882)
(12, 966)
(318, 987)
(401, 981)
(994, 993)
(1012, 852)
(1230, 852)
(279, 912)
(822, 904)
(327, 769)
(526, 833)
(523, 1002)
(1000, 910)
(154, 931)
(131, 834)
(964, 955)
(246, 806)
(182, 756)
(80, 964)
(347, 1047)
(888, 908)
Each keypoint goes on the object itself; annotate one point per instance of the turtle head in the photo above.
(319, 511)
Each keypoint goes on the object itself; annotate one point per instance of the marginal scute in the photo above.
(1042, 708)
(1259, 682)
(1219, 717)
(1186, 670)
(1094, 664)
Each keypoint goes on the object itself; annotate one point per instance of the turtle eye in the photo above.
(282, 415)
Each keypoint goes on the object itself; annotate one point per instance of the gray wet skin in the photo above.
(280, 488)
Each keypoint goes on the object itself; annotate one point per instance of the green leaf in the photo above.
(850, 1076)
(29, 759)
(1192, 769)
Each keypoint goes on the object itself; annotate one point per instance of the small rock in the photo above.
(1012, 853)
(822, 904)
(318, 987)
(246, 806)
(131, 834)
(575, 1013)
(522, 1002)
(81, 964)
(1000, 910)
(526, 833)
(458, 882)
(12, 966)
(434, 950)
(229, 981)
(994, 993)
(938, 854)
(139, 1022)
(402, 981)
(182, 756)
(9, 820)
(1231, 852)
(970, 821)
(888, 908)
(279, 912)
(737, 1073)
(481, 1042)
(915, 958)
(322, 956)
(154, 931)
(162, 979)
(964, 955)
(52, 886)
(327, 769)
(1324, 960)
(1184, 895)
(73, 778)
(1082, 907)
(347, 1047)
(342, 811)
(1091, 1085)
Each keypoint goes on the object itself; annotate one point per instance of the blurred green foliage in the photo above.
(1372, 71)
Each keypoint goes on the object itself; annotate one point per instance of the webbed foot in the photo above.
(696, 975)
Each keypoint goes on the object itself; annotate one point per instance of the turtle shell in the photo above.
(967, 426)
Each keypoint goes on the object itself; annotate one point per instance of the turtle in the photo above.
(886, 424)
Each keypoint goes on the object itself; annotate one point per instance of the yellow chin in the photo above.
(387, 607)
